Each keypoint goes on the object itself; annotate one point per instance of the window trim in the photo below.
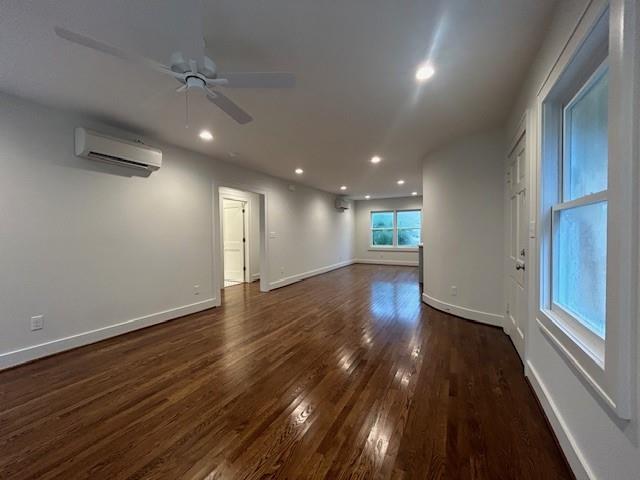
(394, 247)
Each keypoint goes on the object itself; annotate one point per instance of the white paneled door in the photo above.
(233, 240)
(518, 245)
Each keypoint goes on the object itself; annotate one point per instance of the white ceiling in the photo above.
(354, 60)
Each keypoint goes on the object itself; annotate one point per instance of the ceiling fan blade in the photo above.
(113, 51)
(258, 79)
(229, 107)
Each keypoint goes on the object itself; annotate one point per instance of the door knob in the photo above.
(520, 266)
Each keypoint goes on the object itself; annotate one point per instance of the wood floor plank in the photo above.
(342, 376)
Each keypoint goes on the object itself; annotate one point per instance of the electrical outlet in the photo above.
(282, 270)
(454, 291)
(37, 322)
(196, 289)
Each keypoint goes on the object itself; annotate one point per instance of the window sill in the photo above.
(393, 249)
(578, 358)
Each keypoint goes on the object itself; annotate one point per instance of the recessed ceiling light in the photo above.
(343, 187)
(400, 182)
(414, 193)
(206, 135)
(367, 197)
(375, 159)
(299, 171)
(425, 72)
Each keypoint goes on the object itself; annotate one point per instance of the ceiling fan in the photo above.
(192, 74)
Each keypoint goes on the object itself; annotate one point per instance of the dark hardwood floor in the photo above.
(344, 375)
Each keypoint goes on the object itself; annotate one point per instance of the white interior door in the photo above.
(233, 240)
(518, 244)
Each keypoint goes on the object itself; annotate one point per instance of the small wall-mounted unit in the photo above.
(342, 203)
(103, 148)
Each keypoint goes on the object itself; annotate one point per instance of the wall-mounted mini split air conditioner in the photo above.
(342, 203)
(115, 151)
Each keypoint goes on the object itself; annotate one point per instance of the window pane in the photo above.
(587, 149)
(383, 237)
(382, 220)
(580, 276)
(409, 237)
(409, 219)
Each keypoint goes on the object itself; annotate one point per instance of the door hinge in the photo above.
(244, 240)
(244, 269)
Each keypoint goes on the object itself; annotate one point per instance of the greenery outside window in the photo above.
(396, 229)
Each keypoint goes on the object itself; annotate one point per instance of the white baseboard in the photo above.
(255, 277)
(399, 263)
(26, 354)
(283, 282)
(464, 312)
(568, 444)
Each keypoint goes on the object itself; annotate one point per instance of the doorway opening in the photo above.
(242, 246)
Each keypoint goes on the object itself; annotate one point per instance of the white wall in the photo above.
(98, 253)
(364, 253)
(253, 235)
(597, 444)
(463, 227)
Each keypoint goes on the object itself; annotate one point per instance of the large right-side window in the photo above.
(586, 241)
(579, 221)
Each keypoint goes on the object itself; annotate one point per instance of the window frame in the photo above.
(397, 230)
(394, 246)
(589, 341)
(609, 380)
(372, 229)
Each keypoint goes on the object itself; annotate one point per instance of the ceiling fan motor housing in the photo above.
(195, 82)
